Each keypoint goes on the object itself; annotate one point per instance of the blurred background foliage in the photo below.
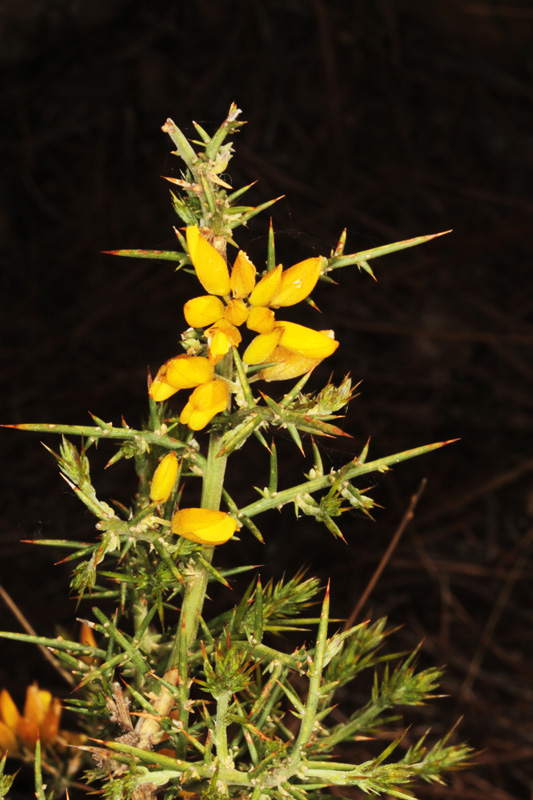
(394, 118)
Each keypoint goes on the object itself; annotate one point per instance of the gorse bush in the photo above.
(170, 702)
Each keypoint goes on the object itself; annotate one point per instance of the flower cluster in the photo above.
(233, 299)
(39, 720)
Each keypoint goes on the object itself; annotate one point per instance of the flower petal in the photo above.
(9, 713)
(203, 525)
(211, 269)
(236, 312)
(202, 311)
(220, 337)
(288, 364)
(266, 288)
(8, 740)
(260, 319)
(306, 341)
(297, 282)
(164, 478)
(180, 372)
(159, 389)
(186, 372)
(206, 401)
(242, 279)
(28, 732)
(260, 348)
(37, 703)
(49, 727)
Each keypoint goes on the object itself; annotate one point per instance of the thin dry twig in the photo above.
(407, 517)
(497, 610)
(19, 616)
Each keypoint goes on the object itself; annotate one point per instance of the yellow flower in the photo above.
(39, 720)
(207, 400)
(244, 300)
(164, 479)
(181, 372)
(210, 396)
(290, 349)
(203, 525)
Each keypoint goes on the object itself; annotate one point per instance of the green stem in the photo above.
(198, 576)
(221, 730)
(196, 586)
(346, 473)
(211, 496)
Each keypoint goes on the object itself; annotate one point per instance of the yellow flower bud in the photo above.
(207, 400)
(164, 479)
(260, 319)
(267, 287)
(203, 525)
(202, 311)
(236, 312)
(297, 282)
(242, 278)
(260, 348)
(211, 269)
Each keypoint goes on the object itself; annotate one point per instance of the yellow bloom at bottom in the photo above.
(39, 720)
(207, 400)
(203, 525)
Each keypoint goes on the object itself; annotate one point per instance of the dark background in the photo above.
(394, 118)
